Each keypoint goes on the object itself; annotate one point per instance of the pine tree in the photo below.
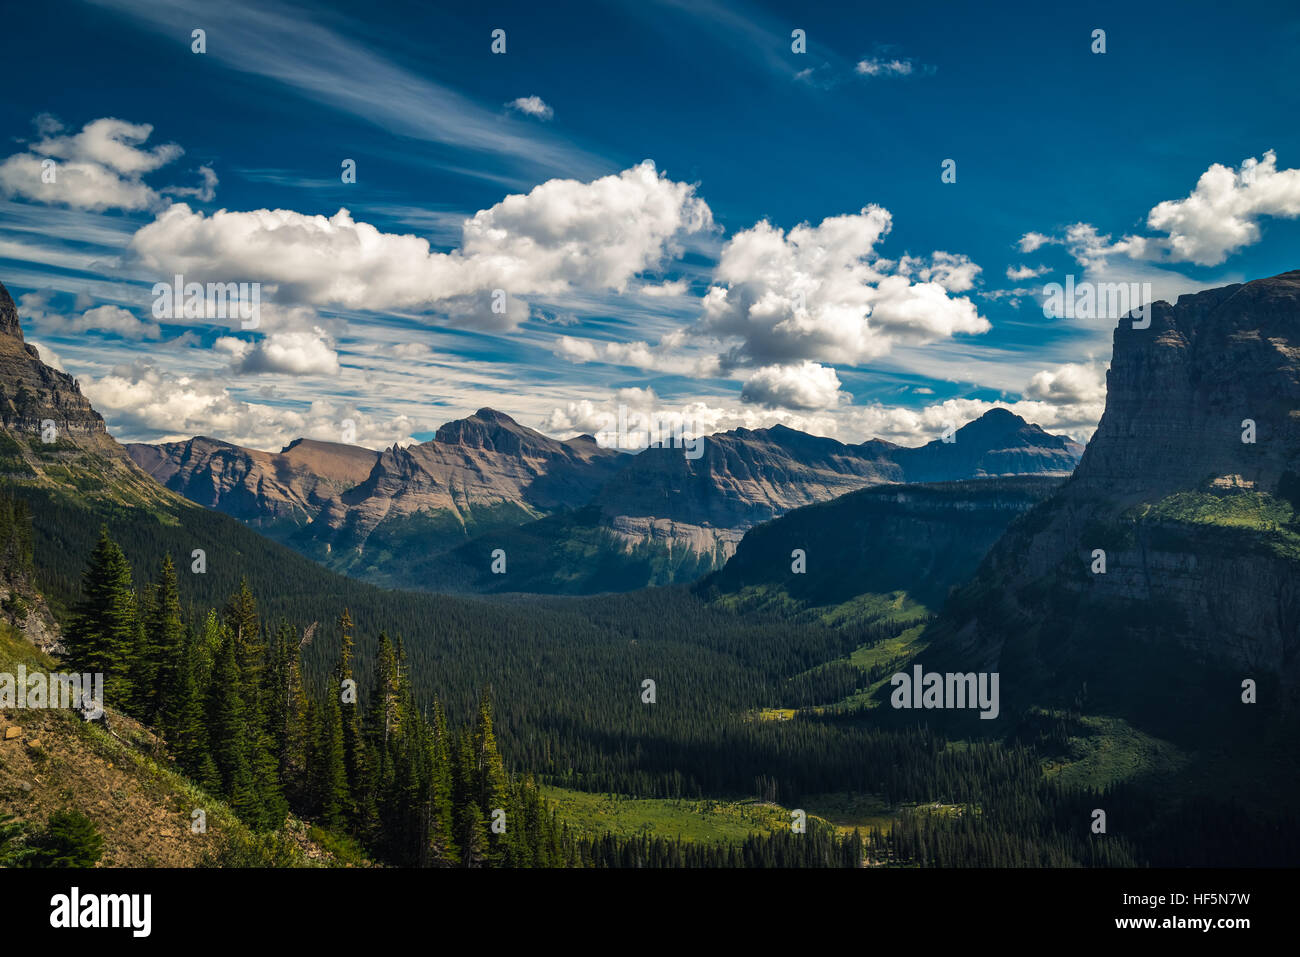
(166, 638)
(354, 757)
(491, 786)
(185, 726)
(287, 715)
(471, 827)
(442, 825)
(102, 634)
(240, 617)
(228, 733)
(329, 786)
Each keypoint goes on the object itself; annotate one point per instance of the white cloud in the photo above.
(807, 386)
(143, 402)
(879, 66)
(101, 167)
(678, 287)
(205, 192)
(563, 235)
(820, 293)
(1032, 242)
(532, 106)
(1022, 272)
(664, 357)
(1220, 216)
(954, 272)
(291, 353)
(1069, 384)
(105, 318)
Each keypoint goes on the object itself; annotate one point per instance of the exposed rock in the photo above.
(487, 474)
(1199, 551)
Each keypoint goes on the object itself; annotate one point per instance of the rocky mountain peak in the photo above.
(1184, 395)
(9, 325)
(30, 391)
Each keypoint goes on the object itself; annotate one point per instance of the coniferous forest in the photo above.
(365, 745)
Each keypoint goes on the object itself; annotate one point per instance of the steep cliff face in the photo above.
(31, 392)
(49, 434)
(1173, 533)
(744, 476)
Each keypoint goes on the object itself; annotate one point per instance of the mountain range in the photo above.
(430, 515)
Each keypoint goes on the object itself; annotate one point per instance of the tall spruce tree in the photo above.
(329, 780)
(354, 756)
(228, 733)
(101, 637)
(165, 639)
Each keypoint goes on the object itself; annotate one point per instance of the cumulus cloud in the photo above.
(531, 106)
(1220, 216)
(105, 318)
(1022, 272)
(1032, 242)
(820, 293)
(807, 386)
(561, 236)
(290, 353)
(1069, 384)
(142, 402)
(102, 167)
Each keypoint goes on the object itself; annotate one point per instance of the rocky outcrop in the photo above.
(261, 488)
(1173, 533)
(49, 433)
(31, 392)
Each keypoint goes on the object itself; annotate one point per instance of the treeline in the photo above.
(242, 720)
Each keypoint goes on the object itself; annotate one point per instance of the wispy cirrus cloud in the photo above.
(281, 43)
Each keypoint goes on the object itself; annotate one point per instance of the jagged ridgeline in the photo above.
(573, 517)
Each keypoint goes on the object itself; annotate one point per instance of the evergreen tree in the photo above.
(165, 632)
(228, 733)
(101, 637)
(354, 757)
(491, 786)
(329, 781)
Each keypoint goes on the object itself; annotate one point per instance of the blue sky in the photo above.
(792, 254)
